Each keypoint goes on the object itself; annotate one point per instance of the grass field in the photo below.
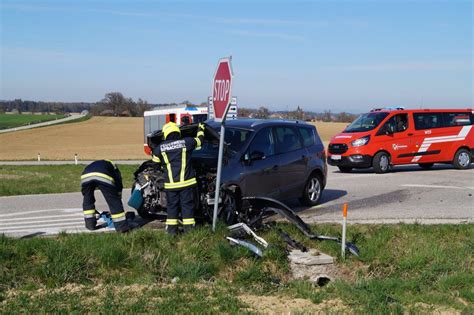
(44, 179)
(17, 120)
(402, 269)
(96, 138)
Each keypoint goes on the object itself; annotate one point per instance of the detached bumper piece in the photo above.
(267, 205)
(254, 249)
(355, 160)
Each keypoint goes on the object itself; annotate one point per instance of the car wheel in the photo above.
(462, 159)
(229, 207)
(312, 191)
(426, 166)
(381, 163)
(344, 169)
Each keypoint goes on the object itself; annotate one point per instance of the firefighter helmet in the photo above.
(170, 128)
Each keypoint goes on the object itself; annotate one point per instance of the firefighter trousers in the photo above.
(180, 199)
(114, 201)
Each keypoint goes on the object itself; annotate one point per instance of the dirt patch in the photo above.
(282, 305)
(8, 176)
(434, 309)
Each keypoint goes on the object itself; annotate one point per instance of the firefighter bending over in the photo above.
(105, 176)
(175, 155)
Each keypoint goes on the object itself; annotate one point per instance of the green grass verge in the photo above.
(17, 120)
(46, 179)
(402, 268)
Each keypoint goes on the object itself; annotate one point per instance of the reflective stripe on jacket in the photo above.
(175, 155)
(102, 171)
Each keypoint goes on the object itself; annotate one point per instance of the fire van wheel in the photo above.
(426, 166)
(381, 163)
(312, 191)
(462, 159)
(345, 169)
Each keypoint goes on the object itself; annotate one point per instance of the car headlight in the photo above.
(361, 141)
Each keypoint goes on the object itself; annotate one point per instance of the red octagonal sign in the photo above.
(221, 89)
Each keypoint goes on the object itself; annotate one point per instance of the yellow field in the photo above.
(96, 138)
(328, 129)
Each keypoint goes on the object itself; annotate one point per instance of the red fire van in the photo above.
(386, 137)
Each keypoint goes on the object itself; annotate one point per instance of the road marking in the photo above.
(40, 228)
(41, 222)
(353, 176)
(6, 215)
(436, 186)
(65, 215)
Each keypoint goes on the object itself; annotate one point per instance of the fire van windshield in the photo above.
(366, 122)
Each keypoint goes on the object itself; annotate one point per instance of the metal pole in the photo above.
(218, 178)
(343, 243)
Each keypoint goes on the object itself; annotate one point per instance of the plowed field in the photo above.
(96, 138)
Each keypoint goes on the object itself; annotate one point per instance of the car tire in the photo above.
(381, 163)
(426, 166)
(312, 191)
(462, 159)
(345, 169)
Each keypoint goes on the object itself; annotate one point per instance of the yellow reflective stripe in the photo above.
(185, 183)
(99, 175)
(200, 133)
(118, 215)
(89, 211)
(171, 221)
(168, 166)
(198, 142)
(189, 221)
(156, 159)
(183, 165)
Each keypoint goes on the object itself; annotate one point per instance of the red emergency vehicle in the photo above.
(394, 136)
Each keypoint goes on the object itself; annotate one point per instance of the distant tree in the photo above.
(117, 103)
(244, 112)
(344, 117)
(327, 116)
(142, 106)
(262, 113)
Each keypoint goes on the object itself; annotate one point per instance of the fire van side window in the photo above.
(457, 119)
(428, 120)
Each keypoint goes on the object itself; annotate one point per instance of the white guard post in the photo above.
(343, 243)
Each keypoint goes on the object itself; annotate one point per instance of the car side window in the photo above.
(288, 139)
(397, 123)
(263, 142)
(427, 120)
(308, 136)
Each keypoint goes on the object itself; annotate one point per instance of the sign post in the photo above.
(221, 97)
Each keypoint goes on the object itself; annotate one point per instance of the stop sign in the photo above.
(221, 89)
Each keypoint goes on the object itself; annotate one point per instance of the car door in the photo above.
(261, 174)
(293, 161)
(396, 135)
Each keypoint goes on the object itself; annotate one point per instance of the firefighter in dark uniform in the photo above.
(174, 154)
(105, 176)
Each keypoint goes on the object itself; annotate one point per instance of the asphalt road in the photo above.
(408, 194)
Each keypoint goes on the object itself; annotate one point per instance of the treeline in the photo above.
(113, 104)
(116, 104)
(299, 114)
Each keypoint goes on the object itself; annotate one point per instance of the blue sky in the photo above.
(338, 55)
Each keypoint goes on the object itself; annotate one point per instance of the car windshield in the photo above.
(366, 122)
(234, 138)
